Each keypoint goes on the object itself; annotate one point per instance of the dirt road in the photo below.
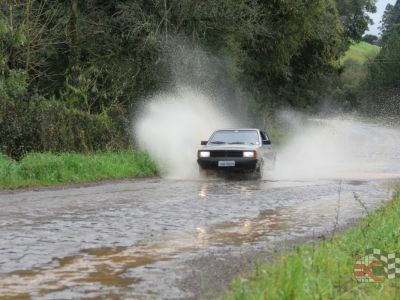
(162, 238)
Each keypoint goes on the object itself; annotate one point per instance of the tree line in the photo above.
(379, 93)
(72, 72)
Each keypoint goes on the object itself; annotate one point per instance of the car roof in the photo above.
(238, 129)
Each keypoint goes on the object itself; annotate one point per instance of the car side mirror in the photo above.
(266, 142)
(203, 143)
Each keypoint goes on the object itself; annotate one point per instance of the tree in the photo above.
(384, 71)
(99, 57)
(381, 89)
(390, 18)
(99, 54)
(370, 38)
(295, 52)
(354, 17)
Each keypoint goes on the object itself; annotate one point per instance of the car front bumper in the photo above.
(241, 163)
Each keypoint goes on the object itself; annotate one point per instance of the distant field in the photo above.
(361, 52)
(47, 169)
(355, 69)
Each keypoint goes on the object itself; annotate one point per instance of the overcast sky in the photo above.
(377, 17)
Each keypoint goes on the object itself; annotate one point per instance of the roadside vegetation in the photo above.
(373, 88)
(47, 169)
(355, 63)
(324, 270)
(361, 52)
(73, 73)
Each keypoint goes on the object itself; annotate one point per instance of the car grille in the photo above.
(226, 153)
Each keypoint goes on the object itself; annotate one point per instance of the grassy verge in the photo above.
(46, 169)
(355, 65)
(325, 271)
(361, 52)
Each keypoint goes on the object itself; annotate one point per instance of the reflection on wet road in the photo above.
(135, 239)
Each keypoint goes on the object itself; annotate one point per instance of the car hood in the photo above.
(230, 147)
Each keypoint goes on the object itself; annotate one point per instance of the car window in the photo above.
(235, 137)
(264, 137)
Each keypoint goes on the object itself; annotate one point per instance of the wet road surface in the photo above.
(159, 238)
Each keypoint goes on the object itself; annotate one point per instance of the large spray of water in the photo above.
(339, 149)
(171, 126)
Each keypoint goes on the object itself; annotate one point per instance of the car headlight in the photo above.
(249, 154)
(204, 153)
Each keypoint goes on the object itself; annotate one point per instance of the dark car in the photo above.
(236, 150)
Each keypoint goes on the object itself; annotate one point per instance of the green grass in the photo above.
(354, 63)
(47, 169)
(360, 53)
(325, 270)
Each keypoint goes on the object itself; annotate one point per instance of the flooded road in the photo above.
(159, 238)
(186, 239)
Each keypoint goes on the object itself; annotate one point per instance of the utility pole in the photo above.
(10, 16)
(166, 20)
(28, 11)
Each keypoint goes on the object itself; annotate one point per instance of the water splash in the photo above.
(171, 126)
(339, 149)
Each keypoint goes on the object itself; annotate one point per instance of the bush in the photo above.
(49, 125)
(18, 127)
(69, 129)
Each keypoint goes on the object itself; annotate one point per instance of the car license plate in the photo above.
(226, 163)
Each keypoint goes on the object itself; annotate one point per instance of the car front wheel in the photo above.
(259, 172)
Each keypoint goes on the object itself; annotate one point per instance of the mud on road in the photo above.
(159, 238)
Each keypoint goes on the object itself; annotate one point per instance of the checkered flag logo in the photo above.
(377, 265)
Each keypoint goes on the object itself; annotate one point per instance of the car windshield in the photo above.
(233, 137)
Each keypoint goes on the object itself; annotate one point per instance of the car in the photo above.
(244, 150)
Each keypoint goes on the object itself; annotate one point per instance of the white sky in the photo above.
(377, 17)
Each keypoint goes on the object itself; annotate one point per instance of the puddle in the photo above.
(108, 266)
